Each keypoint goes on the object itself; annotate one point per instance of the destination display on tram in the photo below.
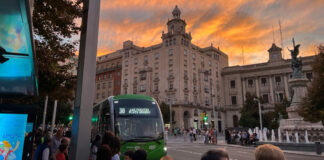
(134, 111)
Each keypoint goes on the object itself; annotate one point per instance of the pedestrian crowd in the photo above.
(242, 137)
(50, 147)
(208, 135)
(108, 146)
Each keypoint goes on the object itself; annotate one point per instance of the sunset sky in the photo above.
(229, 24)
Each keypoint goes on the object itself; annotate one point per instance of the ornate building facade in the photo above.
(266, 80)
(195, 80)
(108, 76)
(174, 70)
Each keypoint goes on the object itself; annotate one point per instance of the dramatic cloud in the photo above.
(233, 25)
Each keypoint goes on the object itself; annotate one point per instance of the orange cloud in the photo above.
(233, 25)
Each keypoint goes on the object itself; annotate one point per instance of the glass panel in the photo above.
(138, 120)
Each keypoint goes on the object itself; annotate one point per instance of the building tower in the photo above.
(176, 30)
(275, 53)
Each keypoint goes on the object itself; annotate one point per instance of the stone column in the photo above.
(244, 91)
(286, 86)
(271, 90)
(257, 86)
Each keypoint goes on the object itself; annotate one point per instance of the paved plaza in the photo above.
(180, 150)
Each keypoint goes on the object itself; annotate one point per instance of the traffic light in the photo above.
(94, 119)
(70, 118)
(206, 117)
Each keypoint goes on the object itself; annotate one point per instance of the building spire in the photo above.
(176, 12)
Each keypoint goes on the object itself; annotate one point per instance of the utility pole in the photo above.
(283, 51)
(170, 105)
(44, 114)
(81, 127)
(54, 117)
(273, 37)
(260, 113)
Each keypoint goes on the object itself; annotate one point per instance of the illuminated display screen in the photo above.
(136, 107)
(17, 74)
(12, 135)
(135, 111)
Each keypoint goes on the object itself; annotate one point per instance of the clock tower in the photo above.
(275, 53)
(176, 28)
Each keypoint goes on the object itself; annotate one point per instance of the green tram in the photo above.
(136, 119)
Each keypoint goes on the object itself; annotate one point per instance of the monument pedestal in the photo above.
(295, 123)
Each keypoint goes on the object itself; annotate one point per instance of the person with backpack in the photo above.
(43, 151)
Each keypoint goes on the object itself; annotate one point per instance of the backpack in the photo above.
(39, 151)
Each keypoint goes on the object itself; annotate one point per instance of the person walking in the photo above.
(215, 136)
(194, 132)
(43, 151)
(104, 152)
(185, 135)
(56, 142)
(61, 154)
(94, 147)
(191, 135)
(115, 148)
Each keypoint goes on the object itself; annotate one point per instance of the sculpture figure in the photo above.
(296, 63)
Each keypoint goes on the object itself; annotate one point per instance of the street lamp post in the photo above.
(170, 105)
(260, 114)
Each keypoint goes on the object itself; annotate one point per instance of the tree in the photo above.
(165, 109)
(249, 112)
(54, 24)
(270, 119)
(312, 106)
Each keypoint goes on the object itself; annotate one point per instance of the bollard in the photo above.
(318, 148)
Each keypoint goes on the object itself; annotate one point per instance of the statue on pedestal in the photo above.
(295, 124)
(296, 63)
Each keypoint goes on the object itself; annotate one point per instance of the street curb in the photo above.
(285, 151)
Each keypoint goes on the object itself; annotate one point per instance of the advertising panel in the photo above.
(12, 135)
(17, 75)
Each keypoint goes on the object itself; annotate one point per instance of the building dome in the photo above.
(176, 12)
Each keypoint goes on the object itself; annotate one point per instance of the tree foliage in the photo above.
(250, 113)
(312, 106)
(54, 24)
(272, 119)
(165, 109)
